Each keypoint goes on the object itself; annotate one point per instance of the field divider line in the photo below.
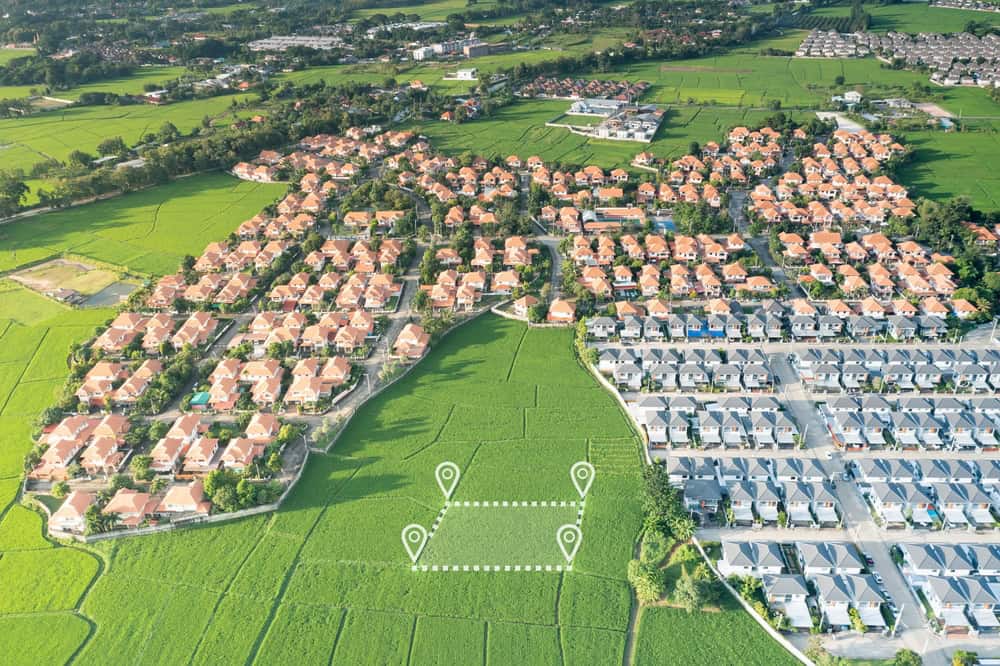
(517, 350)
(20, 377)
(491, 568)
(225, 591)
(289, 572)
(152, 627)
(336, 637)
(413, 638)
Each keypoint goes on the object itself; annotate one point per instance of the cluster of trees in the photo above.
(665, 524)
(83, 67)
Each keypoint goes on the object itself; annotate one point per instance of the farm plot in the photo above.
(951, 164)
(41, 639)
(55, 134)
(500, 536)
(146, 232)
(912, 17)
(330, 562)
(65, 274)
(523, 124)
(674, 636)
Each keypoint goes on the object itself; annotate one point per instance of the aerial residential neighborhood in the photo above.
(475, 332)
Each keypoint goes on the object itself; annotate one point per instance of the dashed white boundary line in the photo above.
(501, 504)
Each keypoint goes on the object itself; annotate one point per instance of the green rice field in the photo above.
(744, 77)
(55, 134)
(520, 129)
(326, 579)
(913, 17)
(145, 232)
(430, 11)
(500, 536)
(953, 164)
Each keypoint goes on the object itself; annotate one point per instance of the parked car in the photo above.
(878, 577)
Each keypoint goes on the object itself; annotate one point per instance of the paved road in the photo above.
(860, 528)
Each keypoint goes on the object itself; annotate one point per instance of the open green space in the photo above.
(6, 55)
(520, 129)
(326, 577)
(430, 11)
(27, 141)
(432, 73)
(745, 77)
(674, 636)
(146, 232)
(127, 85)
(949, 164)
(133, 84)
(913, 17)
(500, 536)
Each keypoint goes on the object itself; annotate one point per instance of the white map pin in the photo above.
(447, 474)
(569, 538)
(582, 474)
(414, 540)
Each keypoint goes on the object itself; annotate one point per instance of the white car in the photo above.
(878, 577)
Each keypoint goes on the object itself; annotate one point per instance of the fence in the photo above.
(350, 414)
(189, 520)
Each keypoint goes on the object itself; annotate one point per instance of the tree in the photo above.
(98, 522)
(906, 657)
(274, 463)
(80, 158)
(168, 132)
(140, 468)
(689, 593)
(420, 301)
(12, 194)
(646, 580)
(839, 80)
(60, 489)
(112, 146)
(964, 658)
(225, 498)
(537, 312)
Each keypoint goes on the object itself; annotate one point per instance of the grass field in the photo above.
(146, 232)
(430, 11)
(499, 536)
(6, 55)
(431, 73)
(128, 85)
(62, 274)
(55, 134)
(913, 17)
(744, 77)
(326, 577)
(520, 128)
(955, 164)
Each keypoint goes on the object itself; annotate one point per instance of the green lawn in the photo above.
(429, 11)
(913, 17)
(55, 134)
(327, 577)
(520, 128)
(147, 232)
(500, 536)
(6, 55)
(744, 77)
(955, 164)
